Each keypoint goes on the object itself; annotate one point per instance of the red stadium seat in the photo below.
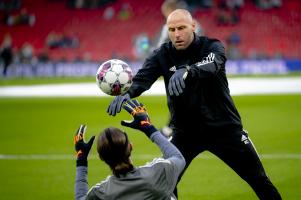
(269, 31)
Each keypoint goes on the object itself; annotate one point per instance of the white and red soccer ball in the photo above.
(114, 77)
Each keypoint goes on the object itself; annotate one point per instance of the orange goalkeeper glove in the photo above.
(141, 119)
(82, 149)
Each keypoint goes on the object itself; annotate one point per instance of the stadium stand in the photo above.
(270, 31)
(273, 32)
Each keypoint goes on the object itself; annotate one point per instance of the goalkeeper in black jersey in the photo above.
(203, 114)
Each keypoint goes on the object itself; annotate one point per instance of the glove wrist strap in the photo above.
(150, 130)
(187, 67)
(81, 162)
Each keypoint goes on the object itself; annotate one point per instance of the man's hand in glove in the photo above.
(116, 104)
(176, 83)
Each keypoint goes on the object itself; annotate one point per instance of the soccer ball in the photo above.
(114, 77)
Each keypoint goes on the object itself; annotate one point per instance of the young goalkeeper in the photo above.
(155, 180)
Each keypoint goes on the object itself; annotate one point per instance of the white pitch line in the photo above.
(238, 86)
(138, 157)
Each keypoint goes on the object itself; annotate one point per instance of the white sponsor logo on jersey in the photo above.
(208, 59)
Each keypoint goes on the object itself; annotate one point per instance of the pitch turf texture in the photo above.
(37, 154)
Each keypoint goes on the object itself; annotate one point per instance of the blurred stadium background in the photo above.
(64, 41)
(67, 37)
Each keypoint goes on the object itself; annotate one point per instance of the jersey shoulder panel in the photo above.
(97, 192)
(156, 161)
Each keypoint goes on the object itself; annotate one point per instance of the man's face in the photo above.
(180, 30)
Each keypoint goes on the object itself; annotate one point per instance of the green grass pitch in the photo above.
(44, 127)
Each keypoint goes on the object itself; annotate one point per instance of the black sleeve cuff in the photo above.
(151, 129)
(81, 162)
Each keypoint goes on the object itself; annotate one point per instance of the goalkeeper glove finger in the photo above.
(81, 147)
(141, 119)
(116, 104)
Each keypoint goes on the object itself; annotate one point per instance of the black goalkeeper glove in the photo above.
(82, 149)
(177, 81)
(141, 119)
(116, 104)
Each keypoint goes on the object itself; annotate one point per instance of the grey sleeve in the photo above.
(170, 152)
(81, 183)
